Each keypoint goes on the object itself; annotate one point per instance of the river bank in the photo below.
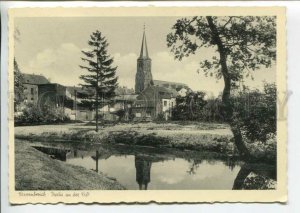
(199, 136)
(35, 170)
(183, 136)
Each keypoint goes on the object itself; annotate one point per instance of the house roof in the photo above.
(79, 90)
(169, 83)
(126, 97)
(157, 92)
(34, 79)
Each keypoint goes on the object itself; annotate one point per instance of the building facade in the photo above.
(31, 84)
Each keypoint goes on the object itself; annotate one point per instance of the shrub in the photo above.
(160, 117)
(32, 114)
(255, 112)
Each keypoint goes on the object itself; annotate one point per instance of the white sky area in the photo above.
(52, 47)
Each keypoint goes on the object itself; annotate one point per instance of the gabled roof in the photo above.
(159, 92)
(34, 79)
(176, 84)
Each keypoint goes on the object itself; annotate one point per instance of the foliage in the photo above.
(160, 117)
(123, 90)
(18, 85)
(256, 112)
(247, 41)
(33, 114)
(189, 107)
(120, 113)
(242, 44)
(101, 75)
(211, 112)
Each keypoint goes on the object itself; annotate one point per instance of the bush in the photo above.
(160, 117)
(255, 112)
(32, 114)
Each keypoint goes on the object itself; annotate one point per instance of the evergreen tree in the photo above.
(101, 77)
(18, 85)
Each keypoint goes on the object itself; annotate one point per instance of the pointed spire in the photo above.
(144, 49)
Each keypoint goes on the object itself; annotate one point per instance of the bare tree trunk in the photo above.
(227, 106)
(97, 95)
(97, 102)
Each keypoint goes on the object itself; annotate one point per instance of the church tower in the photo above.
(143, 77)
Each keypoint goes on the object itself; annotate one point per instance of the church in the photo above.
(155, 98)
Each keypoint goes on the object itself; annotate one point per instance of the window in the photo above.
(31, 91)
(148, 114)
(32, 99)
(138, 115)
(165, 103)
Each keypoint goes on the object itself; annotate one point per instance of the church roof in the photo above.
(144, 48)
(169, 84)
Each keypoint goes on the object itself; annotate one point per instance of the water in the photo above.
(162, 169)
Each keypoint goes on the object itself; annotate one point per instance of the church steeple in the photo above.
(144, 48)
(143, 77)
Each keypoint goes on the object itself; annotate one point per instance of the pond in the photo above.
(147, 168)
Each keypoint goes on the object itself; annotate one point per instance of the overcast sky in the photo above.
(51, 46)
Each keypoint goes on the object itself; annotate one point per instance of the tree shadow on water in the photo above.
(255, 177)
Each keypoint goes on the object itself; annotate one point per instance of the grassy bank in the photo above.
(37, 171)
(184, 136)
(199, 136)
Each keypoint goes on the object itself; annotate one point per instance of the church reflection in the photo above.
(143, 171)
(96, 158)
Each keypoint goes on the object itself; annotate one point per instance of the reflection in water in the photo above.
(194, 166)
(255, 176)
(75, 153)
(96, 158)
(136, 168)
(143, 170)
(55, 153)
(231, 163)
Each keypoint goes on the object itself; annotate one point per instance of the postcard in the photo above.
(147, 104)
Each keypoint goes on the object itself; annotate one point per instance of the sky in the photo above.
(52, 47)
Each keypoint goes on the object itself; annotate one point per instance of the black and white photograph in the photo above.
(177, 102)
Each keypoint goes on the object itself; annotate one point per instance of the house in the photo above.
(31, 83)
(152, 102)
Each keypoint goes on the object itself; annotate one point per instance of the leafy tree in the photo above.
(189, 107)
(256, 112)
(101, 77)
(18, 85)
(242, 43)
(211, 111)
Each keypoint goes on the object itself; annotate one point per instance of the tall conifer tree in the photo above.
(101, 77)
(18, 85)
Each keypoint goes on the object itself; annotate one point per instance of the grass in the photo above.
(195, 136)
(180, 135)
(37, 171)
